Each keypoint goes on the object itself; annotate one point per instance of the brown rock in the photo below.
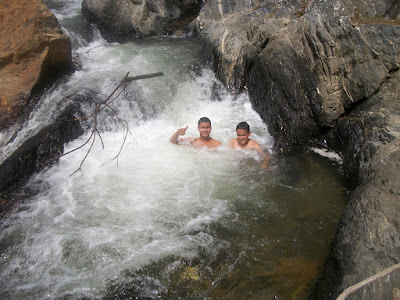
(33, 49)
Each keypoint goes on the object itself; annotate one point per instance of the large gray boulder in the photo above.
(304, 66)
(318, 69)
(235, 33)
(121, 20)
(326, 73)
(368, 239)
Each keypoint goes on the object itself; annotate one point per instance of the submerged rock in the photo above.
(40, 150)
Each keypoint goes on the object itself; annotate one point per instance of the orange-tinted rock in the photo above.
(33, 49)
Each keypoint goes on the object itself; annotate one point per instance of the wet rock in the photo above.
(305, 63)
(33, 51)
(368, 238)
(325, 72)
(234, 33)
(124, 20)
(42, 149)
(315, 72)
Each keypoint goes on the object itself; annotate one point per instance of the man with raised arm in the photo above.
(244, 142)
(204, 127)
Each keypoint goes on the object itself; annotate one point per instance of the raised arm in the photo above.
(175, 136)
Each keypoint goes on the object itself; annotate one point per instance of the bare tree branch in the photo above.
(99, 107)
(350, 290)
(107, 104)
(129, 79)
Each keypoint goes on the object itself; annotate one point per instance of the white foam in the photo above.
(156, 202)
(329, 154)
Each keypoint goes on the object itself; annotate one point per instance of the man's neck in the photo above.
(243, 146)
(205, 139)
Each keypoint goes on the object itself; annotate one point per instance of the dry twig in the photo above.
(107, 103)
(99, 107)
(350, 290)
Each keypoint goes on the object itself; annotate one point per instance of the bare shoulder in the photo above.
(214, 143)
(196, 142)
(233, 143)
(253, 145)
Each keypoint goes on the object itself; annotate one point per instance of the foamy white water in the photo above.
(165, 220)
(88, 228)
(85, 229)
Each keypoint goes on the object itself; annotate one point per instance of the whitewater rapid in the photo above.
(162, 220)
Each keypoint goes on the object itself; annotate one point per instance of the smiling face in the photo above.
(204, 129)
(242, 137)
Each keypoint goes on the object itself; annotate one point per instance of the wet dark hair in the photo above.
(243, 125)
(204, 120)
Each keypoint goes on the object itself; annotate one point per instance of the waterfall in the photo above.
(163, 221)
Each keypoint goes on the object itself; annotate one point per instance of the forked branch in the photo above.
(107, 104)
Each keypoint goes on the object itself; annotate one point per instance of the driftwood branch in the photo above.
(350, 290)
(99, 107)
(107, 104)
(129, 79)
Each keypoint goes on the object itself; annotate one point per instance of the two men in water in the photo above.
(241, 142)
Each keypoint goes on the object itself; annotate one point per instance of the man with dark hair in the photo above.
(204, 127)
(244, 142)
(204, 120)
(243, 125)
